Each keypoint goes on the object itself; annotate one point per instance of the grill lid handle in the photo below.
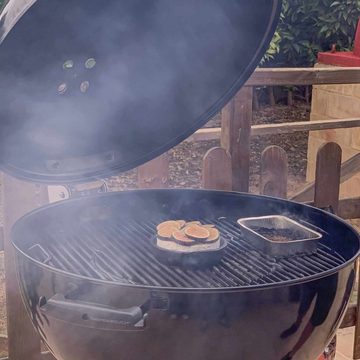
(93, 314)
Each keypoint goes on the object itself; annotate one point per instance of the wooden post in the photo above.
(154, 174)
(327, 176)
(274, 172)
(216, 174)
(356, 354)
(235, 136)
(18, 199)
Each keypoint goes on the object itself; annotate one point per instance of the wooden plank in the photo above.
(327, 176)
(357, 320)
(18, 199)
(154, 174)
(284, 128)
(235, 136)
(349, 208)
(216, 173)
(350, 317)
(304, 76)
(348, 169)
(1, 238)
(289, 128)
(42, 356)
(274, 172)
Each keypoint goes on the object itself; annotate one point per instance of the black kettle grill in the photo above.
(92, 88)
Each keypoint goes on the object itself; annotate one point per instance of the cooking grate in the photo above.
(120, 251)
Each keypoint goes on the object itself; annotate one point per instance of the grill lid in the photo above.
(91, 87)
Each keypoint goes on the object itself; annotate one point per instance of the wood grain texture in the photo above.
(216, 172)
(274, 172)
(304, 76)
(19, 198)
(327, 176)
(154, 174)
(284, 128)
(357, 321)
(349, 208)
(235, 136)
(348, 169)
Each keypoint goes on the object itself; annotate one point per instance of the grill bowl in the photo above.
(245, 307)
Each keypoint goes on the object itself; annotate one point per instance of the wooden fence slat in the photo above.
(327, 176)
(356, 353)
(217, 174)
(349, 208)
(206, 134)
(155, 173)
(288, 128)
(348, 169)
(274, 172)
(19, 198)
(235, 136)
(304, 76)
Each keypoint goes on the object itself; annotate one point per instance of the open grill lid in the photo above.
(90, 88)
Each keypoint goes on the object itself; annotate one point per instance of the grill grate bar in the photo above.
(120, 250)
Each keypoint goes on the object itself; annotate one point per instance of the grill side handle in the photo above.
(91, 314)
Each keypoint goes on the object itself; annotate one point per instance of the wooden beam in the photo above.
(235, 136)
(348, 169)
(274, 172)
(304, 76)
(283, 128)
(42, 356)
(349, 208)
(18, 198)
(350, 317)
(217, 174)
(327, 176)
(357, 320)
(288, 128)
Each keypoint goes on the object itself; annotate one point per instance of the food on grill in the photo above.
(182, 223)
(214, 235)
(197, 232)
(169, 223)
(280, 235)
(165, 232)
(182, 236)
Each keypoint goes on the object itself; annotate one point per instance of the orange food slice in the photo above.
(180, 238)
(214, 235)
(193, 223)
(165, 233)
(181, 223)
(168, 223)
(197, 232)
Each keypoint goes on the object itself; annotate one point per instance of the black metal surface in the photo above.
(108, 238)
(163, 68)
(121, 251)
(291, 313)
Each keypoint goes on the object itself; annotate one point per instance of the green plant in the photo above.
(309, 26)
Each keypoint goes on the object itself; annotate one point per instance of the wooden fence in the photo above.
(225, 167)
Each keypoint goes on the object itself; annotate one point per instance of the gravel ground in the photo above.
(186, 158)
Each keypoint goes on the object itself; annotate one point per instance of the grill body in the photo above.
(246, 308)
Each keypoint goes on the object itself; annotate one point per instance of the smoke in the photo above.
(161, 67)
